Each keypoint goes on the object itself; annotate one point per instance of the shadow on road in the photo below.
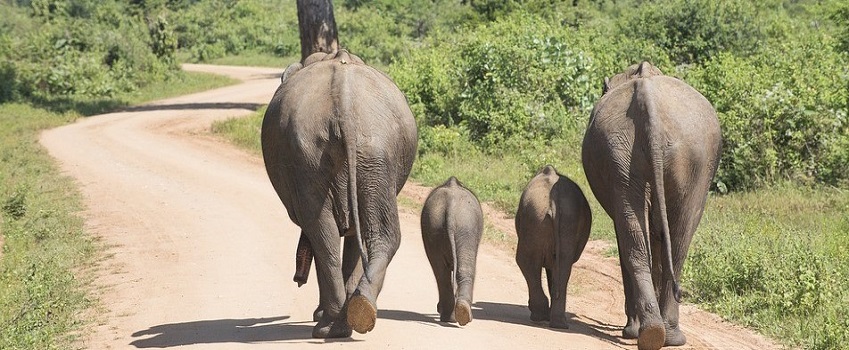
(408, 316)
(250, 330)
(519, 314)
(183, 106)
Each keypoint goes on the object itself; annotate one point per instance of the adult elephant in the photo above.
(338, 141)
(650, 153)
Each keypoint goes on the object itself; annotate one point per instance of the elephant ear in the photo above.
(291, 69)
(315, 57)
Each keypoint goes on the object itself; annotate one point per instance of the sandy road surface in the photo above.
(201, 250)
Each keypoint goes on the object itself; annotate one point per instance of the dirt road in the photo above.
(200, 250)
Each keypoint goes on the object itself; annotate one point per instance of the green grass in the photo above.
(46, 256)
(774, 260)
(242, 131)
(45, 249)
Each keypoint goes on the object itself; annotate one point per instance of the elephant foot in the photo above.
(558, 322)
(316, 315)
(444, 314)
(631, 330)
(675, 337)
(652, 337)
(330, 329)
(362, 315)
(539, 317)
(463, 312)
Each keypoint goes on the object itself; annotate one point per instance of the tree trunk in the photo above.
(317, 27)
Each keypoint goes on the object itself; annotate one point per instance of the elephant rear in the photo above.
(338, 141)
(553, 223)
(452, 226)
(304, 142)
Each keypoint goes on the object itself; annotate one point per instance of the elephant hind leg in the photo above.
(558, 294)
(637, 276)
(632, 323)
(441, 262)
(537, 301)
(331, 287)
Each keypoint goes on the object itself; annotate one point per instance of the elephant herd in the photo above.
(339, 141)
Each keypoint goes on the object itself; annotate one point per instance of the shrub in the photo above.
(76, 48)
(787, 98)
(216, 28)
(694, 31)
(530, 84)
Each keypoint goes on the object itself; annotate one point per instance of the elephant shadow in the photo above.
(249, 330)
(520, 315)
(408, 316)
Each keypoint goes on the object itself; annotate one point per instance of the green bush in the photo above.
(692, 31)
(215, 28)
(78, 48)
(527, 84)
(516, 81)
(840, 15)
(792, 99)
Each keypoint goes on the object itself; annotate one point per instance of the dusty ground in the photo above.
(201, 251)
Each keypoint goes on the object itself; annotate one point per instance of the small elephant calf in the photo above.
(553, 225)
(452, 225)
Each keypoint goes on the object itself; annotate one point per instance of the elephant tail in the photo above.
(350, 136)
(558, 245)
(656, 162)
(451, 227)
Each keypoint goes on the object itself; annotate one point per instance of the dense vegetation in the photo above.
(508, 85)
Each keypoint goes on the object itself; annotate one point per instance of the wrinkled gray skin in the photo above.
(452, 225)
(650, 152)
(553, 224)
(339, 140)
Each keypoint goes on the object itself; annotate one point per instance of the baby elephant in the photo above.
(452, 224)
(553, 224)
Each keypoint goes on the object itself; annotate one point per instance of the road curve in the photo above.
(200, 251)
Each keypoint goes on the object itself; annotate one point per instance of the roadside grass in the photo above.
(46, 255)
(44, 248)
(242, 131)
(774, 259)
